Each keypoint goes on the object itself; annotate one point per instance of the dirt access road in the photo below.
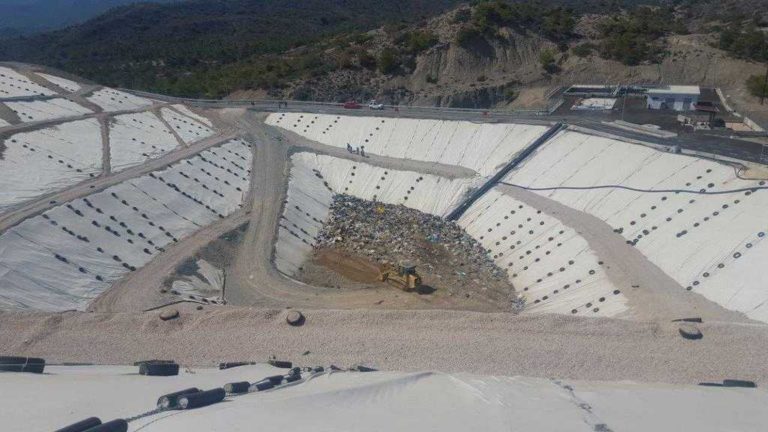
(254, 280)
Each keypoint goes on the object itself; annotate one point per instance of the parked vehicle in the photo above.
(352, 105)
(375, 105)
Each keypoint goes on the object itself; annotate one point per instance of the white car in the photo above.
(375, 105)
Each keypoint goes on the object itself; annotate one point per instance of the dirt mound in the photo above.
(359, 236)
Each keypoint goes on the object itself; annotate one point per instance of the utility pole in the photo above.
(624, 101)
(765, 86)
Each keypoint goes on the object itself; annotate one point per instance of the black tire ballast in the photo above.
(237, 387)
(171, 400)
(21, 364)
(281, 364)
(262, 385)
(118, 425)
(159, 369)
(81, 426)
(201, 399)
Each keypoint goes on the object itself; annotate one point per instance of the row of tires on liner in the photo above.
(189, 398)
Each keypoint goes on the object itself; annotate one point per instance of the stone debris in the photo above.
(169, 314)
(444, 254)
(294, 318)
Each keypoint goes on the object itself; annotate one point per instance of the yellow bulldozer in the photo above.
(403, 276)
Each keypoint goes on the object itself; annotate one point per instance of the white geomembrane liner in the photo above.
(42, 161)
(710, 244)
(189, 113)
(114, 100)
(70, 254)
(549, 263)
(136, 138)
(68, 85)
(3, 123)
(14, 84)
(482, 147)
(47, 110)
(376, 401)
(315, 179)
(189, 129)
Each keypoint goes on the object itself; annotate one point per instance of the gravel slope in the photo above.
(450, 341)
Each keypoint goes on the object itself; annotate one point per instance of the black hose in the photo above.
(698, 192)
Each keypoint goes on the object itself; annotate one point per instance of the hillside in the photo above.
(447, 61)
(493, 53)
(23, 17)
(145, 45)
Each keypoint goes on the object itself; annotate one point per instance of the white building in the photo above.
(678, 98)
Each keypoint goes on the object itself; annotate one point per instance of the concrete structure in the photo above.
(678, 98)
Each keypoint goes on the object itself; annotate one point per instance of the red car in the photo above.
(352, 105)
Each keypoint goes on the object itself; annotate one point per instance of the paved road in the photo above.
(723, 146)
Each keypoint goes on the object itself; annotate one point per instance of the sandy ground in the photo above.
(344, 273)
(501, 344)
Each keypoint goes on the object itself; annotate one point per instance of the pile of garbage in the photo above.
(445, 255)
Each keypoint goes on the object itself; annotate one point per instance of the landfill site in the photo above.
(396, 269)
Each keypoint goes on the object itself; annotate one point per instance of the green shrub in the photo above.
(547, 60)
(757, 86)
(511, 94)
(418, 41)
(462, 16)
(745, 42)
(362, 38)
(366, 60)
(389, 60)
(632, 38)
(546, 57)
(583, 50)
(466, 35)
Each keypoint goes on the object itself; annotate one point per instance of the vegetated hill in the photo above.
(158, 47)
(19, 17)
(489, 53)
(143, 44)
(496, 55)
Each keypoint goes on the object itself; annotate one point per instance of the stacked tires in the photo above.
(22, 364)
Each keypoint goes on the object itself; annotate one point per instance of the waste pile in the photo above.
(445, 256)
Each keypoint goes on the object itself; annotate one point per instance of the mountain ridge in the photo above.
(26, 17)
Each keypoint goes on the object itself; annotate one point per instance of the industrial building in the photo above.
(677, 98)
